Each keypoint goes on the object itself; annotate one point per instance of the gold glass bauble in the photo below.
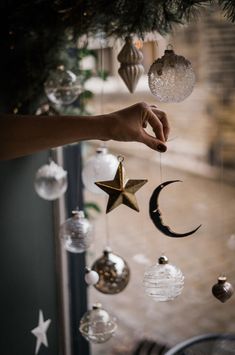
(114, 273)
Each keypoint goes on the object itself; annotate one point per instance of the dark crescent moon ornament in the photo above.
(155, 213)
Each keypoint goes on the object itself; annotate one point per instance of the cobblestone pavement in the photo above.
(202, 257)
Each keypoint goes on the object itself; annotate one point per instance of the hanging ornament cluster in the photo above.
(121, 190)
(113, 271)
(163, 281)
(222, 290)
(101, 166)
(50, 181)
(96, 325)
(130, 70)
(76, 233)
(62, 86)
(171, 77)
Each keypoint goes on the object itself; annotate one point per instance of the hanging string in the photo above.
(160, 160)
(222, 191)
(107, 234)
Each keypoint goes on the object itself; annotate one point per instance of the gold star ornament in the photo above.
(121, 190)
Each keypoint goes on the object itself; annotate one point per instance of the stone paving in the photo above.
(202, 258)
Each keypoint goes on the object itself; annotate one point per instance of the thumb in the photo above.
(153, 142)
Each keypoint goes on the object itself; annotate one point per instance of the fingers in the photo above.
(155, 123)
(164, 120)
(153, 142)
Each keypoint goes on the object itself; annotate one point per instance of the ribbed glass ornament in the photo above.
(50, 181)
(163, 281)
(171, 78)
(97, 326)
(62, 86)
(100, 167)
(76, 233)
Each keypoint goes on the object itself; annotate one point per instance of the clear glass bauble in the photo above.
(113, 271)
(100, 167)
(76, 233)
(163, 281)
(51, 181)
(171, 78)
(62, 86)
(97, 326)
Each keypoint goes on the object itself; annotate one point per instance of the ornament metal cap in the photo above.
(101, 150)
(87, 270)
(97, 305)
(107, 250)
(78, 213)
(222, 279)
(163, 260)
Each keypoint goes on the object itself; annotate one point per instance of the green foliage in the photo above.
(90, 207)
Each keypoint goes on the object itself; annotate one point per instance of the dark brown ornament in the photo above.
(114, 273)
(222, 290)
(155, 214)
(130, 70)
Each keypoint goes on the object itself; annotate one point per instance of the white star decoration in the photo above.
(40, 332)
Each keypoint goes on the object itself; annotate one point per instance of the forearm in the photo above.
(22, 135)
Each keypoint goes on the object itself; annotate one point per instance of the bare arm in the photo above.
(22, 135)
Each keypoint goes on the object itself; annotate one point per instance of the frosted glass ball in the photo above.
(51, 181)
(163, 281)
(62, 86)
(91, 276)
(171, 78)
(97, 326)
(100, 167)
(76, 233)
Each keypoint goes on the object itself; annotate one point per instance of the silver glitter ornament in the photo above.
(171, 77)
(76, 233)
(97, 326)
(163, 281)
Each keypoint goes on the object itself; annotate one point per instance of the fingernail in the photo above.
(161, 148)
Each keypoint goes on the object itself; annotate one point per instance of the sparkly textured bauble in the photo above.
(121, 190)
(222, 290)
(51, 181)
(163, 281)
(101, 166)
(130, 70)
(76, 233)
(97, 326)
(171, 78)
(91, 276)
(62, 86)
(114, 273)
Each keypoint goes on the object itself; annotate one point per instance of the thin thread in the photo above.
(102, 73)
(107, 235)
(160, 159)
(222, 188)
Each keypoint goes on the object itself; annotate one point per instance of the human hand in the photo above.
(129, 124)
